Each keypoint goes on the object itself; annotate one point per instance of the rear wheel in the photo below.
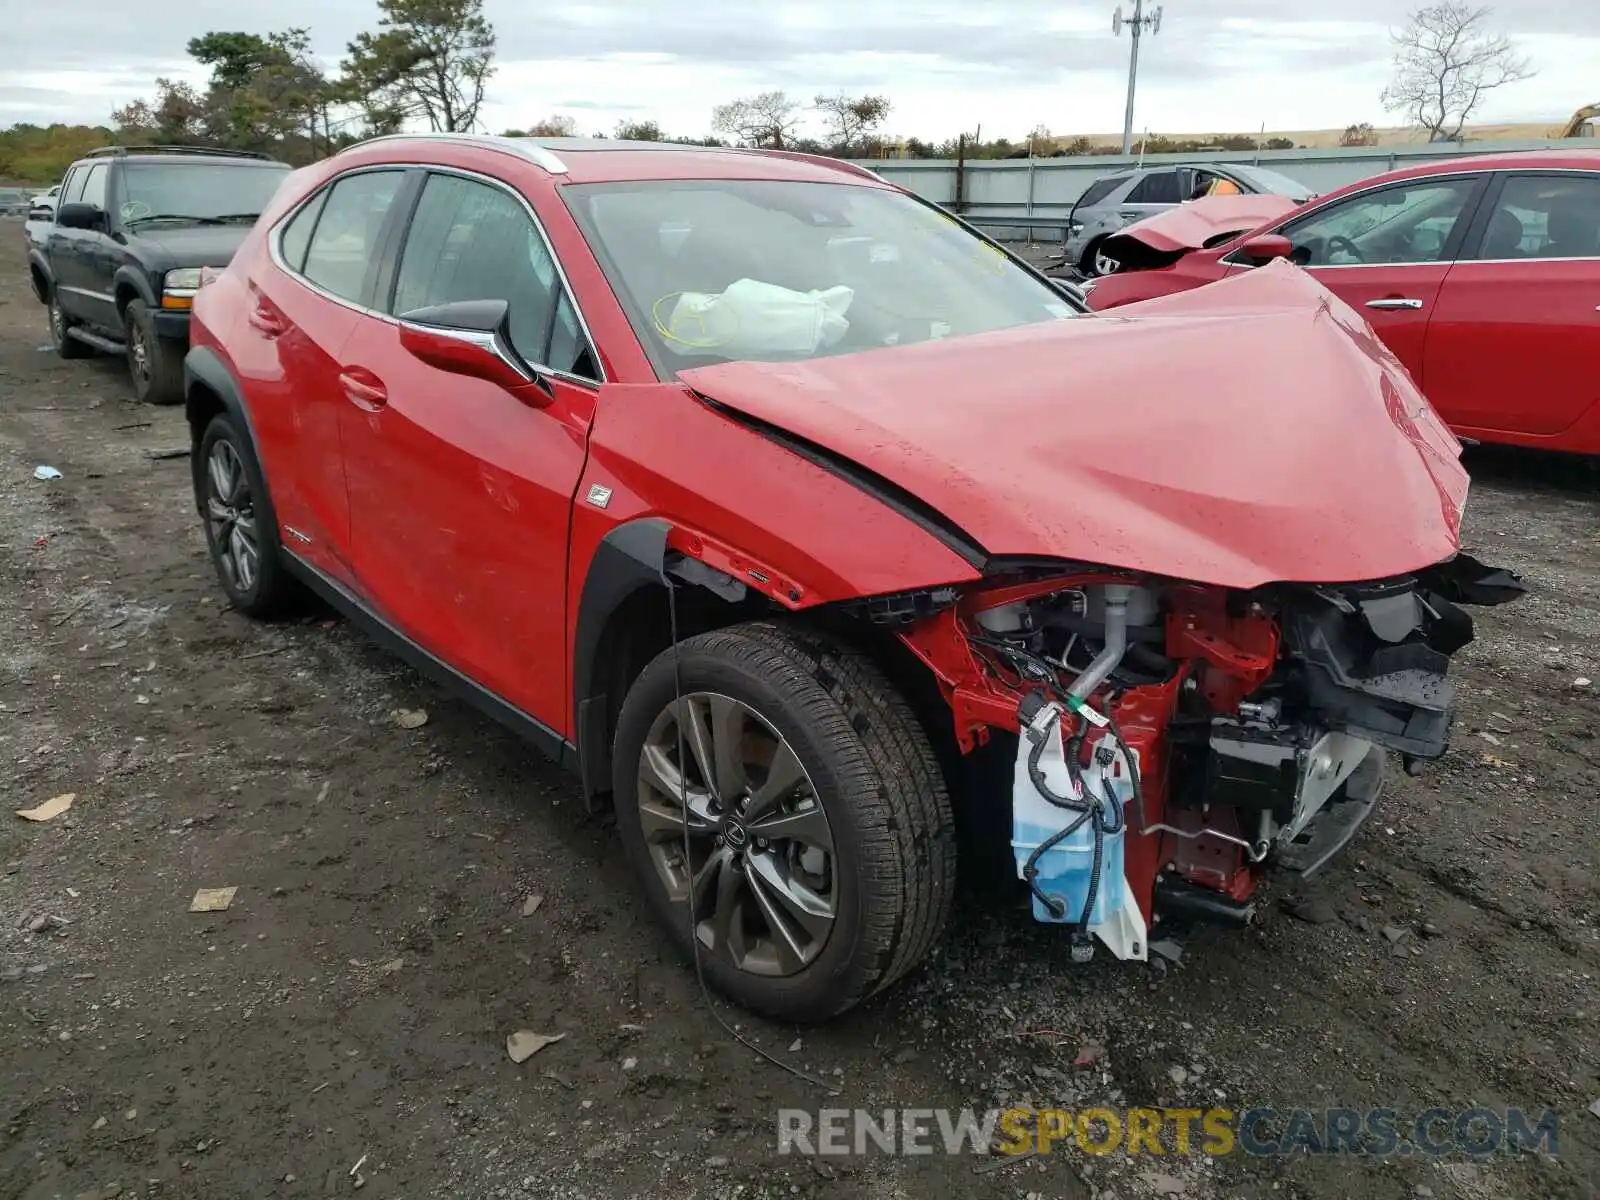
(66, 345)
(787, 797)
(241, 530)
(155, 363)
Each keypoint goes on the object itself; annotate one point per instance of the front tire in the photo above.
(155, 363)
(821, 852)
(241, 528)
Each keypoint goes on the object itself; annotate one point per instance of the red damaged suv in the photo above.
(796, 516)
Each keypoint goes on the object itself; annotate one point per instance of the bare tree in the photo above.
(770, 120)
(851, 120)
(1446, 60)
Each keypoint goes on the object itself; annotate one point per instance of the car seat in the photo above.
(1505, 236)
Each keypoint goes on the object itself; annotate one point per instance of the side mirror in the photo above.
(1268, 246)
(472, 338)
(1072, 291)
(81, 216)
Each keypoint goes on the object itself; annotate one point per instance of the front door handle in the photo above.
(363, 387)
(1394, 302)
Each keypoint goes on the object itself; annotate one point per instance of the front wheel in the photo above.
(786, 817)
(155, 363)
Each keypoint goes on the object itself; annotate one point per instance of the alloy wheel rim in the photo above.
(761, 862)
(138, 351)
(58, 323)
(1104, 265)
(230, 517)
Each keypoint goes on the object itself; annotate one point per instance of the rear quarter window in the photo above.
(1099, 190)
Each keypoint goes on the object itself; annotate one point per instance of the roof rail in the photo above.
(816, 160)
(209, 151)
(524, 148)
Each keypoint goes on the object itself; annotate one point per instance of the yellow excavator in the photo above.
(1580, 125)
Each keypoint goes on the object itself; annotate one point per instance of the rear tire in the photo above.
(66, 345)
(155, 363)
(240, 525)
(865, 779)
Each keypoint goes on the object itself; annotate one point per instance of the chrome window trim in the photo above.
(1227, 260)
(1489, 262)
(527, 150)
(276, 236)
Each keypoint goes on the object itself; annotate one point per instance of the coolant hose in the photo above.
(1116, 645)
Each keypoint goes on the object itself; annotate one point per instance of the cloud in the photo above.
(947, 64)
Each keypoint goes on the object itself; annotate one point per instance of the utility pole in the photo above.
(1137, 24)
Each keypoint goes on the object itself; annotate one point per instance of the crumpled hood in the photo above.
(1244, 433)
(1190, 226)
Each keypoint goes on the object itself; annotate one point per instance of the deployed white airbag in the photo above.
(751, 319)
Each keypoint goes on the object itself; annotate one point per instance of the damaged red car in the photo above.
(801, 521)
(1481, 274)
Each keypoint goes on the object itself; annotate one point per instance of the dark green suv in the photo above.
(134, 227)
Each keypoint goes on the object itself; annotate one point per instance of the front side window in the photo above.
(474, 241)
(724, 270)
(197, 193)
(344, 244)
(1545, 216)
(72, 185)
(1407, 223)
(94, 186)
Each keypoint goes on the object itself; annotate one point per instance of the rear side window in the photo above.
(1545, 216)
(344, 245)
(1159, 187)
(295, 239)
(1099, 190)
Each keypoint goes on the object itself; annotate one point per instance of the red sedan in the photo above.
(795, 516)
(1481, 274)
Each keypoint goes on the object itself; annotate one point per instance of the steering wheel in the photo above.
(1339, 240)
(133, 210)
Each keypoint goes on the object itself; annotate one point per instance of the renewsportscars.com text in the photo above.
(1215, 1132)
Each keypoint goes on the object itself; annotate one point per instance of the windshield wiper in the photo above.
(174, 217)
(238, 216)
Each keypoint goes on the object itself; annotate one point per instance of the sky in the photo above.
(946, 65)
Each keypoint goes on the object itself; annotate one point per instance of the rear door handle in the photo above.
(266, 324)
(363, 387)
(1394, 302)
(264, 317)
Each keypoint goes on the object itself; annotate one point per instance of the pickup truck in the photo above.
(120, 260)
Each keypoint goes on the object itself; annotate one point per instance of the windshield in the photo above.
(198, 191)
(1271, 182)
(725, 270)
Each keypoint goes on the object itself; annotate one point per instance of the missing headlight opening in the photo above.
(1174, 740)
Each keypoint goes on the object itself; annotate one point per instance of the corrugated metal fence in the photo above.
(1046, 187)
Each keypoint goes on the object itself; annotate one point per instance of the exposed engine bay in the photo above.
(1175, 740)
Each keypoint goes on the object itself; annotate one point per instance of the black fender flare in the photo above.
(204, 368)
(38, 265)
(630, 558)
(138, 281)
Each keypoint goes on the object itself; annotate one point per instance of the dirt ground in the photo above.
(342, 1025)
